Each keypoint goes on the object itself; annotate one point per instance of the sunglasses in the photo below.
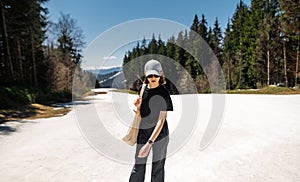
(151, 76)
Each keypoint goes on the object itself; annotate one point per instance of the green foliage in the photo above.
(24, 95)
(12, 96)
(70, 38)
(251, 52)
(23, 25)
(260, 47)
(29, 67)
(44, 97)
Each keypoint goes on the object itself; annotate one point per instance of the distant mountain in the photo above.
(112, 80)
(110, 77)
(105, 71)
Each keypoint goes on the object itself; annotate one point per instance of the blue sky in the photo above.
(97, 16)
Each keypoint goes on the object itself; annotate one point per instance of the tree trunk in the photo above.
(20, 59)
(33, 59)
(297, 61)
(268, 56)
(297, 65)
(285, 63)
(6, 43)
(268, 66)
(240, 72)
(229, 71)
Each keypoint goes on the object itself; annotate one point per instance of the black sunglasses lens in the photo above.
(151, 76)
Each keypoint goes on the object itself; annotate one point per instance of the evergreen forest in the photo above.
(38, 57)
(258, 47)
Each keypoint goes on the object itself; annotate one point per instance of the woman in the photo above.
(153, 129)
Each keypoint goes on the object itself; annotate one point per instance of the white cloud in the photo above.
(109, 57)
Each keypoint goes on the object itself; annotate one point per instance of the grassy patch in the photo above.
(125, 91)
(267, 90)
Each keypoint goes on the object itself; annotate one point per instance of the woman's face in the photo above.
(153, 79)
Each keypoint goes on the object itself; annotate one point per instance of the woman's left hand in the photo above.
(137, 103)
(144, 151)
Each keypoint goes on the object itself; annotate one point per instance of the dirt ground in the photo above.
(32, 111)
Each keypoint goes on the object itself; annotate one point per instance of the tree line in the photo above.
(259, 46)
(35, 51)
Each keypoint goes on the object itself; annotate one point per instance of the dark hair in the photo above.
(162, 80)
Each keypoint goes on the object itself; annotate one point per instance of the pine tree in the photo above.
(144, 48)
(290, 30)
(210, 39)
(195, 25)
(153, 46)
(64, 53)
(202, 30)
(161, 47)
(228, 56)
(239, 46)
(22, 33)
(216, 40)
(267, 42)
(170, 48)
(70, 38)
(179, 51)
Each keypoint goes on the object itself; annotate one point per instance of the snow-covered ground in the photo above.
(259, 140)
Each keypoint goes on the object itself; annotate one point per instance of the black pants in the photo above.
(159, 150)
